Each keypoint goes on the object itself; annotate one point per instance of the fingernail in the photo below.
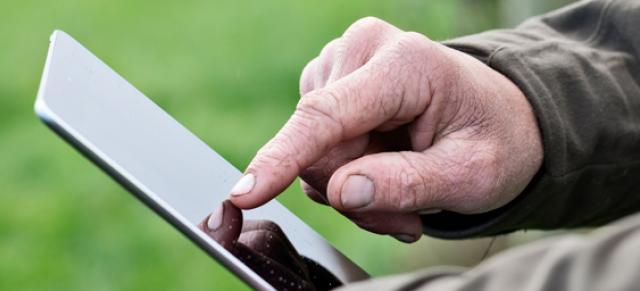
(215, 219)
(244, 185)
(406, 238)
(357, 192)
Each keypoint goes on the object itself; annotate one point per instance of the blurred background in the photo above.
(228, 70)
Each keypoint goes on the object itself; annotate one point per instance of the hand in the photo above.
(392, 124)
(264, 248)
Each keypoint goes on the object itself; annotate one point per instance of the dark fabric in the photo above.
(580, 69)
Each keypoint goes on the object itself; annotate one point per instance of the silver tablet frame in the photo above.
(88, 104)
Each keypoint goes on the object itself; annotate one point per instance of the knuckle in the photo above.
(412, 39)
(318, 110)
(274, 153)
(414, 47)
(309, 67)
(330, 48)
(307, 77)
(312, 129)
(411, 185)
(367, 24)
(361, 40)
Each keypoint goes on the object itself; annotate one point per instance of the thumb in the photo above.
(447, 176)
(347, 108)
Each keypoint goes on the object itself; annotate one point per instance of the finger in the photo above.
(405, 227)
(326, 61)
(454, 174)
(423, 130)
(312, 193)
(341, 111)
(318, 174)
(308, 76)
(316, 72)
(316, 177)
(224, 224)
(358, 44)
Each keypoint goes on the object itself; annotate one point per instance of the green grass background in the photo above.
(229, 71)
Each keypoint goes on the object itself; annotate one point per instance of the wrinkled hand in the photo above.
(392, 124)
(264, 247)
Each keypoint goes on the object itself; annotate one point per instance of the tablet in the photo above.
(159, 161)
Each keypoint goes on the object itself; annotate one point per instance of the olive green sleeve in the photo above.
(580, 69)
(606, 260)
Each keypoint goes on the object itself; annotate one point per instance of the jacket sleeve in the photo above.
(606, 260)
(580, 69)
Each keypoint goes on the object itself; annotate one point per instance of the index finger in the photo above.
(347, 108)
